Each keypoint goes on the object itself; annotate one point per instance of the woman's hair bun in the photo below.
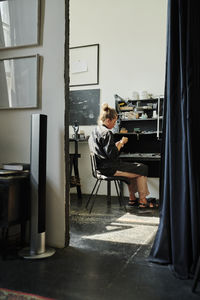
(107, 113)
(105, 106)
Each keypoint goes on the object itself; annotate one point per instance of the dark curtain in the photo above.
(177, 242)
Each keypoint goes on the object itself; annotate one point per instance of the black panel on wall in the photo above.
(84, 106)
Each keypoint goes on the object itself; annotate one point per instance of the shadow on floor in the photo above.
(106, 259)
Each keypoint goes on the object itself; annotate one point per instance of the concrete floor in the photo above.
(106, 259)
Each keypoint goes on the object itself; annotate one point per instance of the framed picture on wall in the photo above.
(84, 65)
(19, 23)
(19, 79)
(84, 106)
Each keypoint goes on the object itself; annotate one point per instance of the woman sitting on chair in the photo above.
(101, 143)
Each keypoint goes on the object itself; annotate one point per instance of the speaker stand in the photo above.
(26, 253)
(37, 249)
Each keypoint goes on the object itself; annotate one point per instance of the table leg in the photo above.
(76, 173)
(121, 187)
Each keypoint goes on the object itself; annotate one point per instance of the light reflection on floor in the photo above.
(129, 229)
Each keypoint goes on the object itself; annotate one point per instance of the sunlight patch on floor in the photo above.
(129, 234)
(139, 219)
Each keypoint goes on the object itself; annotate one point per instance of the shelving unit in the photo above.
(141, 121)
(140, 116)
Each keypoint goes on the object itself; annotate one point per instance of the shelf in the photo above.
(140, 155)
(139, 108)
(142, 129)
(136, 133)
(148, 99)
(147, 119)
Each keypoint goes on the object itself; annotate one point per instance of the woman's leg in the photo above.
(132, 188)
(138, 184)
(142, 190)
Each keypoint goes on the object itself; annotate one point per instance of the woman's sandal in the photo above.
(133, 203)
(143, 205)
(152, 203)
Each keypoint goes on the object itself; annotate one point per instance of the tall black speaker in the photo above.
(38, 189)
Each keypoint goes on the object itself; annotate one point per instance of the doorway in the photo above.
(132, 53)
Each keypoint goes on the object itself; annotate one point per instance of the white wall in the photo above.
(15, 124)
(132, 38)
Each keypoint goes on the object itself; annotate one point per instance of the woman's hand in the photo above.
(124, 140)
(121, 143)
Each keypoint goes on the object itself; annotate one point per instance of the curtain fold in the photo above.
(177, 242)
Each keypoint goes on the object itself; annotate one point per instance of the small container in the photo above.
(154, 114)
(144, 95)
(137, 130)
(82, 135)
(135, 95)
(123, 130)
(144, 116)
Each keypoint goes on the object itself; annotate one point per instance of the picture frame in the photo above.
(84, 106)
(19, 82)
(19, 23)
(84, 65)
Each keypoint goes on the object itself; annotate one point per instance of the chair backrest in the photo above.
(93, 164)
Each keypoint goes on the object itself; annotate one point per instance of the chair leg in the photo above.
(120, 196)
(94, 198)
(91, 193)
(96, 186)
(196, 276)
